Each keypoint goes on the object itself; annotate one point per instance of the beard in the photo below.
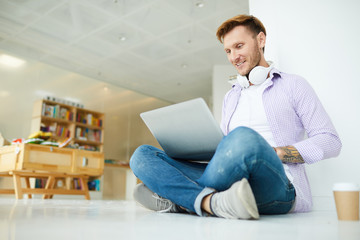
(255, 58)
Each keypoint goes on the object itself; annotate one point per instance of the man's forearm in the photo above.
(289, 154)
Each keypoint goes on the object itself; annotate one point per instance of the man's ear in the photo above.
(261, 39)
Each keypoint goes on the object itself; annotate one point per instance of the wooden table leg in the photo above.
(52, 187)
(68, 182)
(84, 187)
(27, 181)
(49, 185)
(17, 186)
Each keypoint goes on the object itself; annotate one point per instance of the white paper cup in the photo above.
(347, 201)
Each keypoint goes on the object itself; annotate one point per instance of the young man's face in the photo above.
(243, 50)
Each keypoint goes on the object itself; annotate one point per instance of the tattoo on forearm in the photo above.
(291, 155)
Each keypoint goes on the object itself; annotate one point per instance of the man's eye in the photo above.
(239, 46)
(227, 51)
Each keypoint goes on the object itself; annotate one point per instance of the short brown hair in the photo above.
(253, 24)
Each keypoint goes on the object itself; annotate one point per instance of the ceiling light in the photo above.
(200, 4)
(11, 61)
(122, 38)
(184, 65)
(4, 94)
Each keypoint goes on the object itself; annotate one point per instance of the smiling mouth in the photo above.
(239, 64)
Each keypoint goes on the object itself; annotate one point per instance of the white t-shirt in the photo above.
(250, 113)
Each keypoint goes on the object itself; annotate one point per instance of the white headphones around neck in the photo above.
(257, 75)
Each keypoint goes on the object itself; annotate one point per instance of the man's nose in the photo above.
(234, 57)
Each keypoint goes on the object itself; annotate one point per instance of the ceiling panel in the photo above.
(193, 9)
(158, 18)
(122, 35)
(188, 63)
(156, 50)
(65, 63)
(72, 20)
(102, 49)
(22, 48)
(39, 6)
(191, 37)
(213, 55)
(19, 14)
(161, 48)
(41, 40)
(8, 27)
(120, 8)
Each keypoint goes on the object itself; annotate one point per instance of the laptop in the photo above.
(185, 131)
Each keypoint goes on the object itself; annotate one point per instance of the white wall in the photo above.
(320, 41)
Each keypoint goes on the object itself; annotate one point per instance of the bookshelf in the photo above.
(84, 127)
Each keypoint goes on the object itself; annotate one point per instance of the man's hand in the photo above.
(289, 154)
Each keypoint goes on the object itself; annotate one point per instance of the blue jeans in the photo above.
(243, 153)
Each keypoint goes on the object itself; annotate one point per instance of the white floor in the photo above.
(100, 219)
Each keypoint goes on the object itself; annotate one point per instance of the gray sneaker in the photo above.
(238, 202)
(152, 201)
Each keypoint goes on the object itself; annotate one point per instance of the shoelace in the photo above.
(162, 203)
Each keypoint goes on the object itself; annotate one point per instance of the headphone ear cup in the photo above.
(259, 74)
(244, 83)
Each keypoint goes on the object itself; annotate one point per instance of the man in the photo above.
(259, 166)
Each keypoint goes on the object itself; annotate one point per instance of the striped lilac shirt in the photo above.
(293, 109)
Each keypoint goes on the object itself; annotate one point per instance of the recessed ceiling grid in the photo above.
(162, 48)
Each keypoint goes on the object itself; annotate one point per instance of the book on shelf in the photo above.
(62, 131)
(76, 183)
(94, 185)
(56, 129)
(88, 118)
(65, 114)
(79, 134)
(88, 134)
(48, 127)
(49, 110)
(40, 182)
(89, 148)
(80, 117)
(76, 128)
(94, 135)
(52, 127)
(55, 111)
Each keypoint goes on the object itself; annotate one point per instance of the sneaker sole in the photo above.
(247, 198)
(146, 198)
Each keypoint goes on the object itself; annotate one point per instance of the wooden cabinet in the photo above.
(50, 164)
(45, 158)
(87, 162)
(84, 127)
(33, 157)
